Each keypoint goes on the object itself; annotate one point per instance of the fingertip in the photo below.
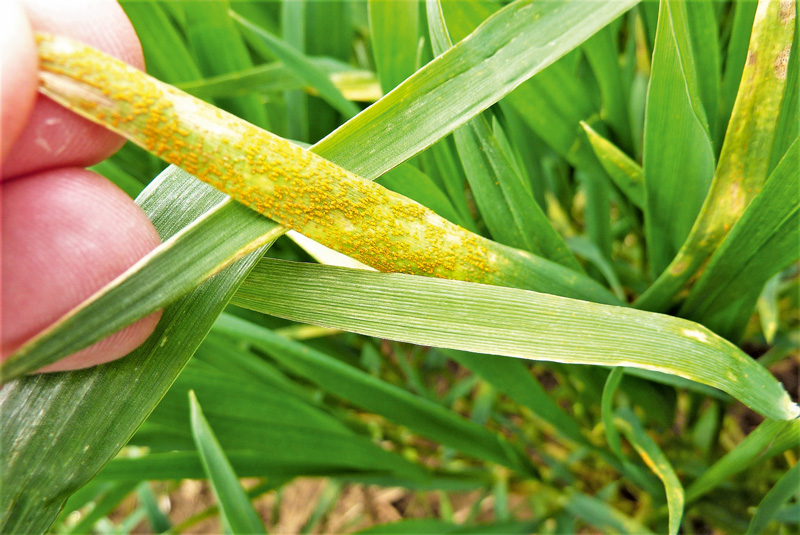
(67, 233)
(54, 136)
(108, 349)
(102, 24)
(19, 78)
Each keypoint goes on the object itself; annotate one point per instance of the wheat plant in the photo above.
(543, 250)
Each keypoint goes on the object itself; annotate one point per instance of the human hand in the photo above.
(66, 231)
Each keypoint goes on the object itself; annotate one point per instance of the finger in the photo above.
(55, 137)
(19, 72)
(66, 233)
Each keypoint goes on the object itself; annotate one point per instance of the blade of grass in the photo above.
(597, 213)
(338, 457)
(354, 84)
(778, 495)
(186, 464)
(300, 64)
(220, 49)
(234, 404)
(769, 308)
(607, 412)
(598, 513)
(236, 510)
(626, 173)
(347, 382)
(293, 30)
(588, 250)
(165, 51)
(749, 451)
(444, 158)
(551, 103)
(785, 439)
(509, 209)
(744, 13)
(655, 459)
(610, 427)
(326, 503)
(529, 150)
(520, 323)
(226, 356)
(678, 154)
(511, 377)
(102, 507)
(787, 129)
(603, 57)
(394, 37)
(213, 510)
(159, 522)
(742, 169)
(503, 187)
(330, 29)
(789, 514)
(83, 497)
(702, 27)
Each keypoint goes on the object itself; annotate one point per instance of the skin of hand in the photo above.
(66, 231)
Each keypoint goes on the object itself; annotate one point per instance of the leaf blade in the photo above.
(236, 509)
(741, 171)
(526, 54)
(678, 155)
(544, 327)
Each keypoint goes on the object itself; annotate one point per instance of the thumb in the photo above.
(18, 79)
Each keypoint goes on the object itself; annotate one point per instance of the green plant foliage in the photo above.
(237, 513)
(584, 218)
(536, 326)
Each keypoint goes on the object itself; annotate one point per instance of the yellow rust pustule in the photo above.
(292, 186)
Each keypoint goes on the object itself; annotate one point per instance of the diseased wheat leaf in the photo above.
(764, 241)
(742, 168)
(494, 36)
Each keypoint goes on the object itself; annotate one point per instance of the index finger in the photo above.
(55, 137)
